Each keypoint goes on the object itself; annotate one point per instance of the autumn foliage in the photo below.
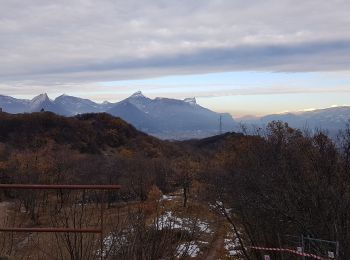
(281, 181)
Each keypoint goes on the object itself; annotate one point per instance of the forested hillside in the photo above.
(214, 197)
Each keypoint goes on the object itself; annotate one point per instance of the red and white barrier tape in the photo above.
(289, 251)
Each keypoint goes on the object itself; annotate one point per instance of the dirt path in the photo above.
(217, 246)
(4, 206)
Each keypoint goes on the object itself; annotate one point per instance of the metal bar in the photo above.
(303, 246)
(59, 186)
(321, 240)
(292, 251)
(280, 244)
(101, 234)
(337, 251)
(51, 230)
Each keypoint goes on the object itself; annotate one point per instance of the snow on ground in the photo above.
(4, 208)
(112, 243)
(232, 245)
(168, 197)
(203, 226)
(168, 220)
(188, 248)
(219, 205)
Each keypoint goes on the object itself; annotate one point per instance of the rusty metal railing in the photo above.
(59, 229)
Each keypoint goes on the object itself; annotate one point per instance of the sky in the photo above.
(243, 57)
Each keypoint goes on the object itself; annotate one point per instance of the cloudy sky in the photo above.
(244, 57)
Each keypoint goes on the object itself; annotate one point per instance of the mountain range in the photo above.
(162, 117)
(173, 118)
(331, 119)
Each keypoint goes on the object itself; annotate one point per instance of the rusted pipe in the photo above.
(59, 186)
(51, 230)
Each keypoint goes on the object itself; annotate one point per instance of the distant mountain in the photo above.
(76, 105)
(180, 116)
(130, 113)
(171, 118)
(139, 101)
(162, 117)
(43, 102)
(331, 119)
(13, 105)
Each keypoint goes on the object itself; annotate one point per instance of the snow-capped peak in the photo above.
(40, 98)
(137, 94)
(191, 100)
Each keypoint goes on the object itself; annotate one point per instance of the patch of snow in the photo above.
(137, 94)
(188, 248)
(191, 101)
(40, 98)
(168, 220)
(203, 226)
(231, 244)
(113, 243)
(219, 205)
(168, 197)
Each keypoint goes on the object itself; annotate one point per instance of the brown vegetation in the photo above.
(254, 188)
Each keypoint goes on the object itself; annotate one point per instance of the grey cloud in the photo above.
(311, 56)
(65, 41)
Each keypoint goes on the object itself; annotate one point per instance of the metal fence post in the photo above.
(303, 246)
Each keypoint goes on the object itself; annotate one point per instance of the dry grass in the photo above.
(116, 218)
